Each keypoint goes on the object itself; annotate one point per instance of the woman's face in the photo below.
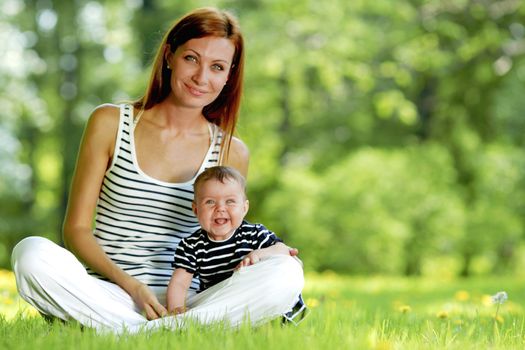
(200, 69)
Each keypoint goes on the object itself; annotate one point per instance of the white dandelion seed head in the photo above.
(500, 297)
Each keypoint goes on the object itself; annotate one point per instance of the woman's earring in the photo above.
(168, 66)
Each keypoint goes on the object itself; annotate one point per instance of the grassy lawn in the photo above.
(346, 313)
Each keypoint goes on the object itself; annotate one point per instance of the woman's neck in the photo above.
(170, 116)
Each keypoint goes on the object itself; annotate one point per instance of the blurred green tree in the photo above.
(383, 134)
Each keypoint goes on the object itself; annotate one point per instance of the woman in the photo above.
(135, 169)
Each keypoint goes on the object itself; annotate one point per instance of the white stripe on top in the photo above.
(141, 220)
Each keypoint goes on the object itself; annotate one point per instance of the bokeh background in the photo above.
(387, 136)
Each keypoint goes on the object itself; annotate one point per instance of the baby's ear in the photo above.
(194, 207)
(246, 206)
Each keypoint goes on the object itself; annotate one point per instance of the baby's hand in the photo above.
(250, 259)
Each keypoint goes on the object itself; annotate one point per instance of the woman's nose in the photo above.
(199, 76)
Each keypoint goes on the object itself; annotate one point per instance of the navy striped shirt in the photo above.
(214, 261)
(141, 220)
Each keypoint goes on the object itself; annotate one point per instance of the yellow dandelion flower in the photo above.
(442, 314)
(31, 311)
(486, 300)
(312, 302)
(383, 345)
(462, 295)
(397, 303)
(405, 309)
(498, 318)
(5, 274)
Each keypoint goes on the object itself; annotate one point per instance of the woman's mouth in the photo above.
(194, 91)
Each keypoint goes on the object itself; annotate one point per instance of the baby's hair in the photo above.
(220, 173)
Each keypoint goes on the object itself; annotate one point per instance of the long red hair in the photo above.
(203, 22)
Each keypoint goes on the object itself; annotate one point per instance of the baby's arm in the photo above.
(256, 255)
(177, 288)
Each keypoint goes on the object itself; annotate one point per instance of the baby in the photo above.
(225, 241)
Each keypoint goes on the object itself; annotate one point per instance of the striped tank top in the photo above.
(141, 220)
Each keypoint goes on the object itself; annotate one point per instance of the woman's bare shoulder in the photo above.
(239, 156)
(107, 112)
(239, 148)
(104, 119)
(103, 124)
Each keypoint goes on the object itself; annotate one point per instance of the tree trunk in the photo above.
(467, 261)
(68, 87)
(286, 111)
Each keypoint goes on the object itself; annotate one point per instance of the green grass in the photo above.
(346, 313)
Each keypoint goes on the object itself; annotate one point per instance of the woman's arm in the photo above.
(239, 157)
(177, 289)
(96, 151)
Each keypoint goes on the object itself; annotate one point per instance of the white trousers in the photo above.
(51, 279)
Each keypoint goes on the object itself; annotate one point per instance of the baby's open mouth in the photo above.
(221, 221)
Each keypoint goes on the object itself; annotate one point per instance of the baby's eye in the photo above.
(230, 201)
(209, 201)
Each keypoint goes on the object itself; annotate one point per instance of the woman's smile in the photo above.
(200, 69)
(195, 91)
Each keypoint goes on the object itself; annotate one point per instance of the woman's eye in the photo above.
(217, 67)
(190, 58)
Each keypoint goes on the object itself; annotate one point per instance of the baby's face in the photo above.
(220, 208)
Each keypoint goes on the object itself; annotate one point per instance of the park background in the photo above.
(386, 136)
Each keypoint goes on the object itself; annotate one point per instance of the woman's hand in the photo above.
(179, 310)
(147, 301)
(293, 251)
